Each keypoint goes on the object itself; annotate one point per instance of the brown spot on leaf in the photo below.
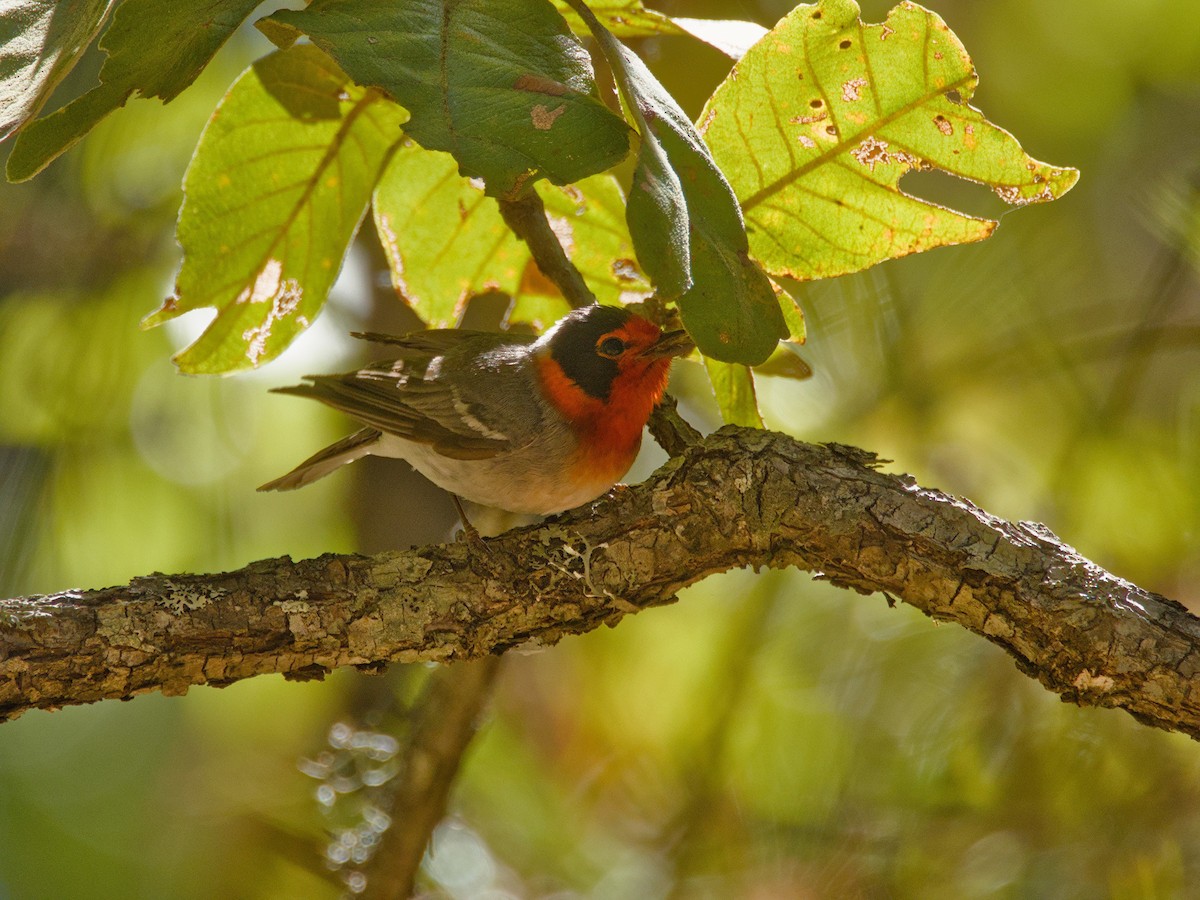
(543, 117)
(845, 45)
(540, 85)
(954, 97)
(943, 124)
(852, 90)
(817, 104)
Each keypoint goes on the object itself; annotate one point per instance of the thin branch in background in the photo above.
(694, 829)
(447, 715)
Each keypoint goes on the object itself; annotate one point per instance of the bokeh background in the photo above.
(768, 736)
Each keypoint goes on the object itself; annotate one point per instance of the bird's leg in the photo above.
(471, 532)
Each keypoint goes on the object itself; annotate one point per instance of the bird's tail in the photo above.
(325, 461)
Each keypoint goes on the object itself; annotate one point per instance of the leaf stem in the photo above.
(526, 216)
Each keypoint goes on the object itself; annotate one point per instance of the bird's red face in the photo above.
(605, 368)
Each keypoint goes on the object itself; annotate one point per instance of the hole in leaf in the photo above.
(954, 97)
(817, 104)
(936, 186)
(817, 14)
(845, 45)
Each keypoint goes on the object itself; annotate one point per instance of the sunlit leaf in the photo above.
(154, 48)
(793, 316)
(624, 18)
(631, 19)
(696, 252)
(785, 362)
(40, 40)
(733, 386)
(446, 241)
(818, 122)
(278, 185)
(514, 106)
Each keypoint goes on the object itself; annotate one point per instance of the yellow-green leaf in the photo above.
(819, 121)
(446, 241)
(280, 180)
(733, 386)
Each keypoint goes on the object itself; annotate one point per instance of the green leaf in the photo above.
(697, 252)
(629, 18)
(280, 180)
(733, 386)
(793, 316)
(626, 18)
(818, 122)
(154, 48)
(40, 41)
(512, 108)
(657, 210)
(785, 362)
(445, 240)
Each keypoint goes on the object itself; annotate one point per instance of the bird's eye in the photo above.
(611, 347)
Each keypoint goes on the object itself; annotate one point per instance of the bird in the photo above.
(529, 425)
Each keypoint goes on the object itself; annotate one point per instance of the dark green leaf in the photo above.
(698, 253)
(503, 85)
(277, 187)
(156, 49)
(40, 40)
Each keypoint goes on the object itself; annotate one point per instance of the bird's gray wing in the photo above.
(412, 397)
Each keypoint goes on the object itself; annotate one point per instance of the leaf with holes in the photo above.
(502, 85)
(818, 122)
(277, 187)
(154, 48)
(446, 241)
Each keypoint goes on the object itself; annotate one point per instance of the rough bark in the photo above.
(738, 498)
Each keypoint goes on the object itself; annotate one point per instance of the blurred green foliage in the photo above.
(766, 736)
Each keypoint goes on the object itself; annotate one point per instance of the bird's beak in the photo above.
(670, 343)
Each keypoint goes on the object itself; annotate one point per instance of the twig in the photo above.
(526, 216)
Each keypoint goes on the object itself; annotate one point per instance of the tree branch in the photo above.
(738, 498)
(526, 216)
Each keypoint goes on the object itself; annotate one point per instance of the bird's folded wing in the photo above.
(423, 412)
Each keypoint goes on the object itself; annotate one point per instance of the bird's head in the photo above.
(600, 357)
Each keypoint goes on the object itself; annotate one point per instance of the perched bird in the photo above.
(523, 424)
